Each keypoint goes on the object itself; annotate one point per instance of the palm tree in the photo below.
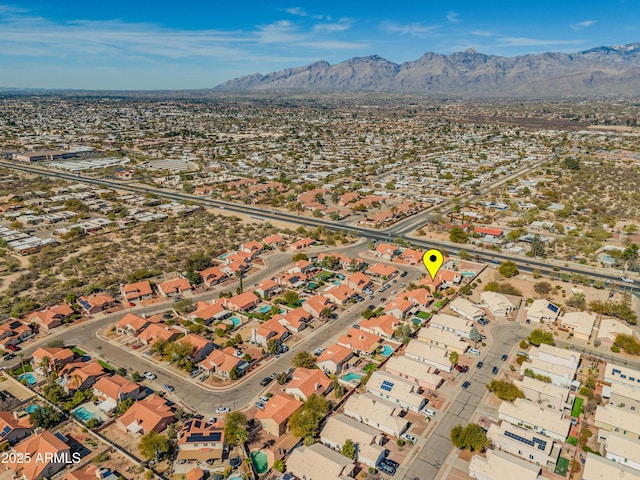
(21, 355)
(45, 364)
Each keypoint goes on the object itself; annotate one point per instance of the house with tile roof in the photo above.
(384, 325)
(253, 247)
(273, 240)
(201, 346)
(209, 312)
(53, 449)
(361, 343)
(13, 427)
(79, 375)
(213, 276)
(334, 358)
(339, 294)
(268, 330)
(175, 286)
(58, 357)
(382, 271)
(241, 303)
(149, 415)
(305, 382)
(399, 308)
(97, 302)
(386, 250)
(112, 390)
(221, 363)
(51, 317)
(136, 291)
(302, 244)
(14, 332)
(159, 331)
(276, 413)
(420, 297)
(359, 281)
(413, 257)
(268, 288)
(92, 472)
(201, 441)
(316, 304)
(131, 325)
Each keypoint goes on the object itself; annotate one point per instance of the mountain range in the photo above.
(601, 71)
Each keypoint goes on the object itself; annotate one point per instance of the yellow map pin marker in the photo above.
(432, 259)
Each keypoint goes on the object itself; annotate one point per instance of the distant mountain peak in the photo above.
(601, 71)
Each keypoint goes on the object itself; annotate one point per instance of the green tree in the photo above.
(537, 336)
(279, 465)
(306, 420)
(54, 393)
(273, 346)
(453, 358)
(474, 335)
(571, 163)
(291, 298)
(304, 359)
(471, 437)
(45, 417)
(234, 373)
(349, 449)
(299, 256)
(124, 405)
(508, 269)
(542, 288)
(154, 446)
(505, 390)
(184, 306)
(537, 247)
(235, 432)
(458, 235)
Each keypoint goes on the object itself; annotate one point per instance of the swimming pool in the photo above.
(84, 414)
(312, 285)
(30, 377)
(225, 255)
(468, 274)
(351, 377)
(235, 321)
(337, 283)
(264, 309)
(260, 461)
(386, 351)
(31, 408)
(417, 321)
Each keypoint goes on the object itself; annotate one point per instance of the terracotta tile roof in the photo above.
(132, 321)
(43, 443)
(115, 386)
(358, 340)
(308, 381)
(385, 323)
(51, 314)
(279, 408)
(335, 353)
(175, 285)
(382, 270)
(152, 413)
(157, 331)
(222, 361)
(133, 291)
(196, 340)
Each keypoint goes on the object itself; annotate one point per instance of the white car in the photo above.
(222, 410)
(149, 376)
(626, 279)
(263, 399)
(409, 438)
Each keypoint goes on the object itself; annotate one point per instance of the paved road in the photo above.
(433, 454)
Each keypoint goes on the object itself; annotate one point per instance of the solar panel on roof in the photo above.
(553, 308)
(386, 385)
(5, 431)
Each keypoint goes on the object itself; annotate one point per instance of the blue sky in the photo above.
(141, 44)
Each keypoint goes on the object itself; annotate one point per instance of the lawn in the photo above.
(20, 370)
(424, 315)
(106, 366)
(572, 441)
(577, 407)
(79, 352)
(562, 466)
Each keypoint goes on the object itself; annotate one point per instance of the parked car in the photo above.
(390, 462)
(408, 438)
(466, 385)
(266, 381)
(222, 410)
(13, 348)
(260, 405)
(149, 375)
(168, 387)
(263, 399)
(404, 274)
(504, 357)
(494, 370)
(9, 356)
(386, 467)
(480, 364)
(462, 368)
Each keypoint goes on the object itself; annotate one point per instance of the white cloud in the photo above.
(414, 29)
(339, 26)
(483, 33)
(581, 25)
(453, 17)
(296, 11)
